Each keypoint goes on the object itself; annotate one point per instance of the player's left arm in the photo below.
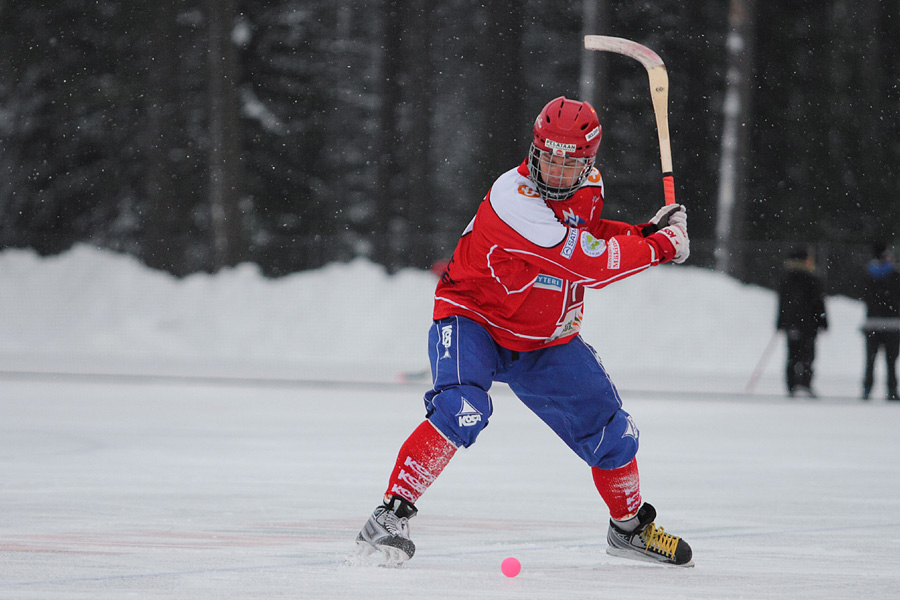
(605, 229)
(596, 262)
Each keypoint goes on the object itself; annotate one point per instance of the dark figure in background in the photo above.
(801, 314)
(882, 326)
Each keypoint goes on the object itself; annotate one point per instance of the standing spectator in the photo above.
(882, 326)
(801, 314)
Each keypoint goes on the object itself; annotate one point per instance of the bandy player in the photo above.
(509, 307)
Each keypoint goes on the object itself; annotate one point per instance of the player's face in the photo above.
(560, 171)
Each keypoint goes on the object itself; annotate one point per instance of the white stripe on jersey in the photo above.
(526, 213)
(583, 279)
(488, 321)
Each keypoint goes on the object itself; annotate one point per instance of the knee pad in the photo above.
(618, 443)
(459, 412)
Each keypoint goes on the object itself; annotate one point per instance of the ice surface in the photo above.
(226, 437)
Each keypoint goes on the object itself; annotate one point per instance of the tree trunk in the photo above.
(734, 157)
(419, 194)
(506, 133)
(165, 230)
(592, 81)
(224, 137)
(390, 98)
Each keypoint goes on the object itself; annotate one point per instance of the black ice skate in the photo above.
(641, 539)
(387, 531)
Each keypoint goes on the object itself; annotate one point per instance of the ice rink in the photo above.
(226, 436)
(119, 487)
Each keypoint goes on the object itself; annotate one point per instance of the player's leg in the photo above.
(463, 360)
(568, 388)
(871, 353)
(422, 457)
(793, 366)
(892, 352)
(808, 361)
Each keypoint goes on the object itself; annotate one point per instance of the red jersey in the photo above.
(522, 263)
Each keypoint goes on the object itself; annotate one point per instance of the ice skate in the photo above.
(387, 532)
(639, 538)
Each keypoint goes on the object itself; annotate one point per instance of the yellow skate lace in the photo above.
(657, 540)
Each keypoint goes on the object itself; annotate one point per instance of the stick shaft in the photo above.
(659, 95)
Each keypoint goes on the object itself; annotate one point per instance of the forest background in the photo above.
(199, 134)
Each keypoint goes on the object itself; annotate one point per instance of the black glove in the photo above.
(661, 219)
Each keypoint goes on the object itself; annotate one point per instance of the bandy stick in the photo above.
(659, 94)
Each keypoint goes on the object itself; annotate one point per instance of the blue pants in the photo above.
(565, 386)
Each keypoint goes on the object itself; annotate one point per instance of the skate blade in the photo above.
(393, 558)
(643, 557)
(378, 556)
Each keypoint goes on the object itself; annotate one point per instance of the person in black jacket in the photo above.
(882, 326)
(801, 314)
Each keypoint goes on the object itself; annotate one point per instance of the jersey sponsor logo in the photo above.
(571, 241)
(468, 415)
(546, 282)
(528, 191)
(415, 475)
(591, 246)
(571, 219)
(614, 256)
(570, 325)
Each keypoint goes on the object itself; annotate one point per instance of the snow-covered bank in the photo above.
(96, 310)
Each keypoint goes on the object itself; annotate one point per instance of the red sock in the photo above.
(421, 459)
(620, 489)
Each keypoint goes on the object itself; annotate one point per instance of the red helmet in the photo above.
(570, 131)
(568, 128)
